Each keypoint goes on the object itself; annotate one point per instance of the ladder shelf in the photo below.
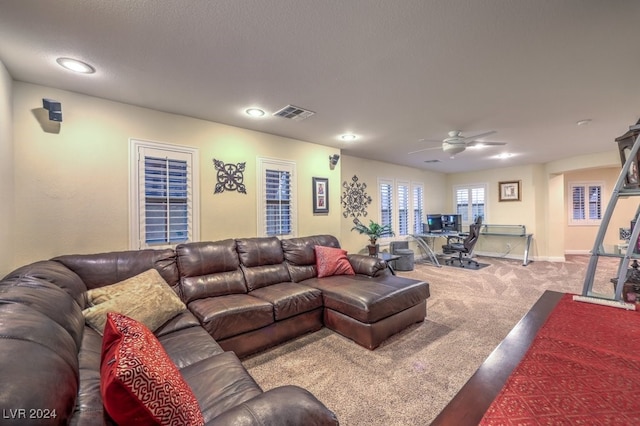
(630, 254)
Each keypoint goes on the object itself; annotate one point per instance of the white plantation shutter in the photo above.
(164, 195)
(277, 198)
(470, 202)
(585, 203)
(403, 208)
(418, 209)
(462, 203)
(477, 203)
(166, 200)
(386, 202)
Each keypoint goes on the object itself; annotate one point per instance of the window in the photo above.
(386, 202)
(403, 208)
(401, 205)
(585, 203)
(277, 200)
(418, 207)
(163, 196)
(470, 202)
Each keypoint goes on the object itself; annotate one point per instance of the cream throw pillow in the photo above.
(147, 298)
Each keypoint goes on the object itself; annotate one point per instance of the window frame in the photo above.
(469, 187)
(571, 221)
(395, 207)
(263, 164)
(137, 149)
(419, 213)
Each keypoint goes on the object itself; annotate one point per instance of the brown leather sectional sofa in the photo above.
(243, 295)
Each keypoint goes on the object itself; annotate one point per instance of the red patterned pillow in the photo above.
(140, 385)
(332, 261)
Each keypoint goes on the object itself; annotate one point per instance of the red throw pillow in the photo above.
(140, 385)
(332, 261)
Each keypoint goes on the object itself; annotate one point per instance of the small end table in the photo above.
(388, 257)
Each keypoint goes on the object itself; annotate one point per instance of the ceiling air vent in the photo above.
(293, 112)
(431, 161)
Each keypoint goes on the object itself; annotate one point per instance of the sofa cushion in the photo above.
(262, 276)
(139, 383)
(220, 383)
(226, 316)
(300, 255)
(332, 261)
(260, 251)
(290, 299)
(145, 297)
(209, 269)
(97, 270)
(368, 300)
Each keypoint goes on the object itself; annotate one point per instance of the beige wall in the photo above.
(369, 172)
(580, 239)
(72, 186)
(67, 188)
(506, 212)
(6, 172)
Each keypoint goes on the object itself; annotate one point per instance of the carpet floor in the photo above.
(414, 374)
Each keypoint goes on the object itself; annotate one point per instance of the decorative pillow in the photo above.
(332, 261)
(139, 383)
(146, 298)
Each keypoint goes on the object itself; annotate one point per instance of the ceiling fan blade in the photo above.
(424, 149)
(478, 143)
(480, 136)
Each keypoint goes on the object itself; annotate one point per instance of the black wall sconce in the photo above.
(54, 108)
(333, 161)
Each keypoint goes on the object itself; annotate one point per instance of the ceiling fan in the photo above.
(456, 143)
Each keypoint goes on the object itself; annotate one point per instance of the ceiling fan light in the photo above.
(453, 149)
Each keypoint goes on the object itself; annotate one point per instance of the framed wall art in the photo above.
(509, 191)
(320, 195)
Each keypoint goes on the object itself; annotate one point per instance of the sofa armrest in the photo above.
(368, 265)
(282, 406)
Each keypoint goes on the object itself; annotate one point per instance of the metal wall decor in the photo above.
(230, 177)
(355, 198)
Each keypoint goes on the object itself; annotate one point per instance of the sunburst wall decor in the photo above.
(230, 177)
(355, 198)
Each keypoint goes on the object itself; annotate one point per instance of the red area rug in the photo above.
(583, 368)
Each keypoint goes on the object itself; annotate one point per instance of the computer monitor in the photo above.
(452, 222)
(434, 222)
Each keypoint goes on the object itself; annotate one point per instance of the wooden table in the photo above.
(469, 405)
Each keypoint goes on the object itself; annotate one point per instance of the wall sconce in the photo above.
(333, 161)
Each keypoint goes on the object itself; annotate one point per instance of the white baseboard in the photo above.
(577, 252)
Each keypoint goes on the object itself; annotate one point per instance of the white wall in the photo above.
(7, 212)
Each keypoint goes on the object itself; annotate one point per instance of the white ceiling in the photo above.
(393, 72)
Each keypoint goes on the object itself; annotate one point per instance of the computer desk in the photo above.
(430, 237)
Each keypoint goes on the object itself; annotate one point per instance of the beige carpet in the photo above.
(412, 376)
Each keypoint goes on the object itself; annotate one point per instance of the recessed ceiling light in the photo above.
(583, 122)
(254, 112)
(504, 155)
(348, 137)
(76, 65)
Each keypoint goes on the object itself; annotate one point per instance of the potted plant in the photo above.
(373, 231)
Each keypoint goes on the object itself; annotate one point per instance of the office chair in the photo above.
(464, 247)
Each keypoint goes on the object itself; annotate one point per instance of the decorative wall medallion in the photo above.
(355, 198)
(230, 177)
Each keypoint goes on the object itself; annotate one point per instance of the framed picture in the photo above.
(320, 195)
(509, 191)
